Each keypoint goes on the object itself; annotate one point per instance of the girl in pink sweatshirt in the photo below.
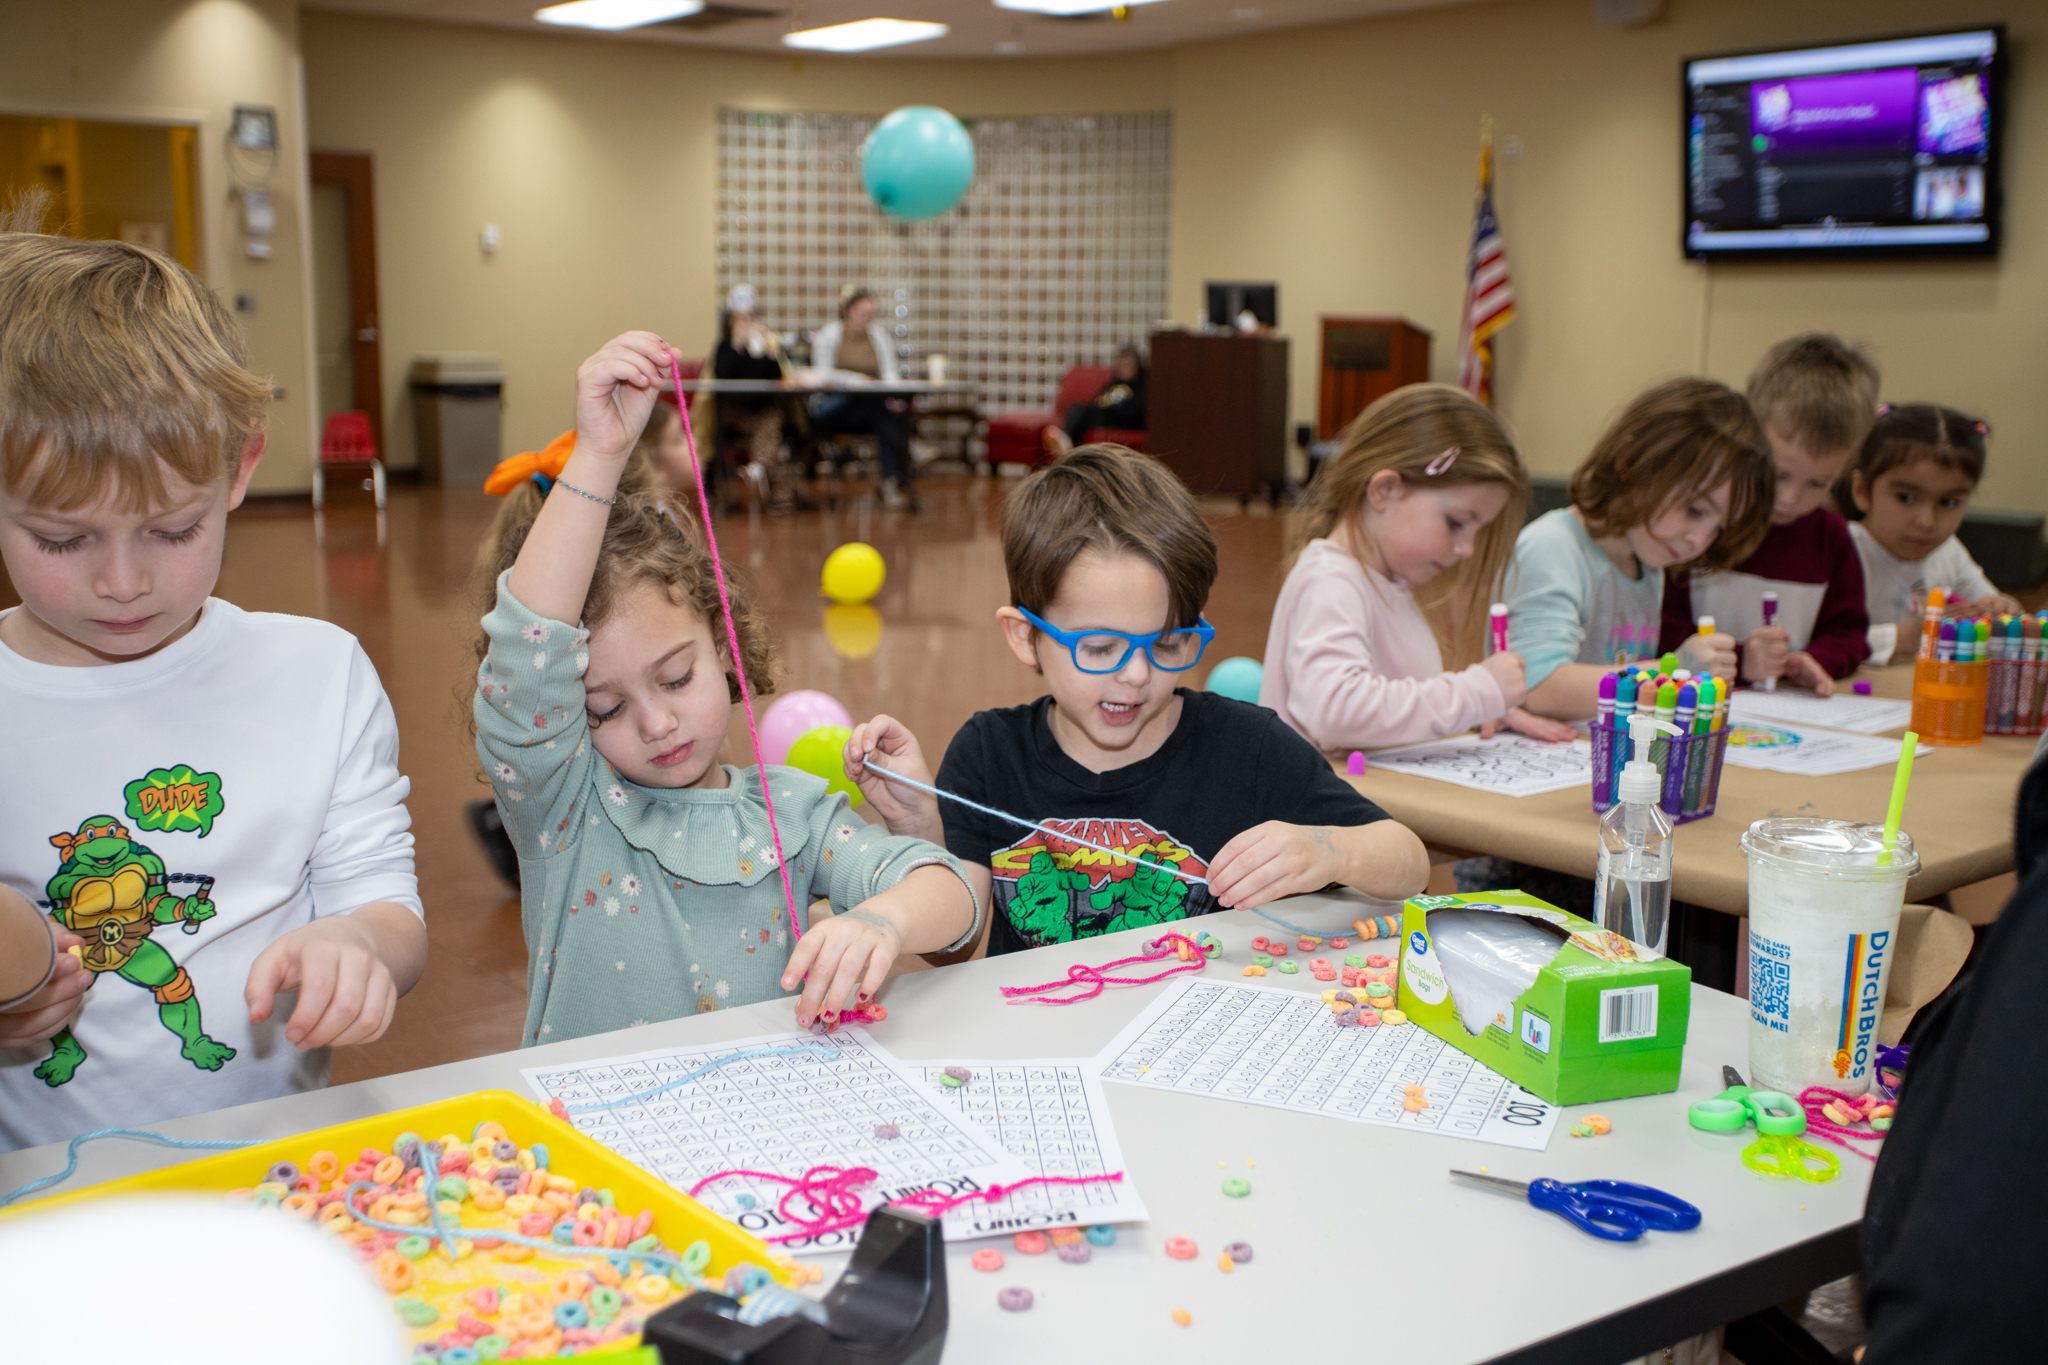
(1426, 490)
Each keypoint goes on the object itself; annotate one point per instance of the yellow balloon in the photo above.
(821, 753)
(853, 573)
(855, 631)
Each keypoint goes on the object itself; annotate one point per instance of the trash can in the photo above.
(456, 401)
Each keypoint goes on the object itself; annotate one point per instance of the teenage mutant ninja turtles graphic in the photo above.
(113, 892)
(1054, 888)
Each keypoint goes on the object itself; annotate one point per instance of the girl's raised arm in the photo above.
(615, 391)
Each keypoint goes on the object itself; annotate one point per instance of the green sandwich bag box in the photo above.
(1602, 1021)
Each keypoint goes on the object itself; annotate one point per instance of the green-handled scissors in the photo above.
(1778, 1151)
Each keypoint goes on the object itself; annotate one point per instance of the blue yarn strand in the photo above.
(807, 1050)
(140, 1134)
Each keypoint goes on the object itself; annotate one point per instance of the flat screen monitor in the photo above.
(1880, 148)
(1228, 298)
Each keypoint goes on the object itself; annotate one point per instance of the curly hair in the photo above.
(646, 540)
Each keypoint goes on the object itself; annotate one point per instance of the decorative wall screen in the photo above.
(1057, 254)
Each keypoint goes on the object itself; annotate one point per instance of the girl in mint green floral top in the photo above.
(648, 879)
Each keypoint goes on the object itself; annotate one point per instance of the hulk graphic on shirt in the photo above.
(109, 890)
(1152, 894)
(1043, 905)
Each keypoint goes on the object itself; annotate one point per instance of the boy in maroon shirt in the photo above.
(1817, 398)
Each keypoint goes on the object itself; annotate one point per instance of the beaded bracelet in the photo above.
(602, 502)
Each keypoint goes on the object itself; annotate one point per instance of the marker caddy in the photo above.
(1948, 701)
(1689, 764)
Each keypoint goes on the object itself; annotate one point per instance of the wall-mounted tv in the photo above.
(1880, 148)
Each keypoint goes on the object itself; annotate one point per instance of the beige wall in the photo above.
(595, 159)
(1345, 168)
(1337, 160)
(193, 61)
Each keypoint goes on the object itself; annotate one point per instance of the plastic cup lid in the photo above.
(1830, 847)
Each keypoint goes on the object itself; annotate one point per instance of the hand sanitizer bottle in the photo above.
(1632, 884)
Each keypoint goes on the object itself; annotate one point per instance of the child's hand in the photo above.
(615, 392)
(1713, 654)
(53, 1008)
(1803, 670)
(841, 961)
(1507, 670)
(905, 810)
(1764, 653)
(346, 994)
(1273, 860)
(1995, 606)
(1535, 727)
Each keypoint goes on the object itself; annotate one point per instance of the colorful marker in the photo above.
(2006, 649)
(1983, 650)
(1770, 616)
(1603, 719)
(2031, 673)
(1666, 664)
(1497, 626)
(1696, 751)
(1930, 625)
(1945, 642)
(1618, 747)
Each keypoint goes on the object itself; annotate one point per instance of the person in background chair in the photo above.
(858, 344)
(748, 350)
(1119, 406)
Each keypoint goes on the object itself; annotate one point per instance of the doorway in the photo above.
(347, 353)
(131, 182)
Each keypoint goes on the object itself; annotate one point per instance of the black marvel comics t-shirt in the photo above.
(1226, 767)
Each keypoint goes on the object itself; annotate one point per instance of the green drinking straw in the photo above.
(1904, 775)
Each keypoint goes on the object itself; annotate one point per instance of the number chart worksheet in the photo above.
(782, 1115)
(1509, 764)
(1052, 1116)
(1284, 1048)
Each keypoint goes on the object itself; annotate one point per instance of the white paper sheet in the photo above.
(1810, 753)
(1512, 765)
(1795, 706)
(1273, 1046)
(783, 1115)
(1052, 1116)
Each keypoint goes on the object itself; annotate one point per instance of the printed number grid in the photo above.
(1056, 255)
(1046, 1117)
(778, 1114)
(1285, 1049)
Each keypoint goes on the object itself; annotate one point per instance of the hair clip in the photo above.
(547, 485)
(1884, 409)
(1983, 428)
(1443, 461)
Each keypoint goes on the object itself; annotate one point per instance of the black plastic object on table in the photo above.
(889, 1308)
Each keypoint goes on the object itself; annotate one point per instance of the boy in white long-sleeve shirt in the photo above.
(208, 799)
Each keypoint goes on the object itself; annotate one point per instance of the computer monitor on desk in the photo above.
(1228, 298)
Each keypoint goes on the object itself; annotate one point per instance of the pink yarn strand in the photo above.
(1083, 975)
(1819, 1125)
(732, 636)
(833, 1195)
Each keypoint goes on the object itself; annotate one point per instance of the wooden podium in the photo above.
(1217, 410)
(1365, 359)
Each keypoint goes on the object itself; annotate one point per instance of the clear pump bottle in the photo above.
(1632, 883)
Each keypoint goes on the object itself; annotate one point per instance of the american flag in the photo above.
(1489, 298)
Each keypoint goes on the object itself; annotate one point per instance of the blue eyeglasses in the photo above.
(1107, 651)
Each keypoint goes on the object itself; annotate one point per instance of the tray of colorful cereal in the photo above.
(500, 1232)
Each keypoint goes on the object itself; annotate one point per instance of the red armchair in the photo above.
(1017, 437)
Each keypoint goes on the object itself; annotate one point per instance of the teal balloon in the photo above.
(917, 162)
(1237, 679)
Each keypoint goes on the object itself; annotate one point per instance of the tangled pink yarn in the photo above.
(1083, 975)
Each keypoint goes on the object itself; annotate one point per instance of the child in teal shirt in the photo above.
(649, 886)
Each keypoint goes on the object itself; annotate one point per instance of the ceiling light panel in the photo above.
(864, 35)
(616, 14)
(1067, 7)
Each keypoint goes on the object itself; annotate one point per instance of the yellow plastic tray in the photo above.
(678, 1219)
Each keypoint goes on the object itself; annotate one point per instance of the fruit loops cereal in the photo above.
(493, 1300)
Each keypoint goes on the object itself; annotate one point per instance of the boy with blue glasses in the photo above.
(1206, 802)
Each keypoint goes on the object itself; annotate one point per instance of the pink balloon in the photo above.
(794, 716)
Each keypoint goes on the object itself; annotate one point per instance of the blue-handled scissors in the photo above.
(1613, 1209)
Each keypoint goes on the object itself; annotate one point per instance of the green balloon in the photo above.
(818, 752)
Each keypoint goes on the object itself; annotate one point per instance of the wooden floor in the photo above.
(929, 651)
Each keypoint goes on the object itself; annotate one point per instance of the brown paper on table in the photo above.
(1930, 951)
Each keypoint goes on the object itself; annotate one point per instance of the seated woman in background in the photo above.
(1120, 405)
(748, 350)
(858, 344)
